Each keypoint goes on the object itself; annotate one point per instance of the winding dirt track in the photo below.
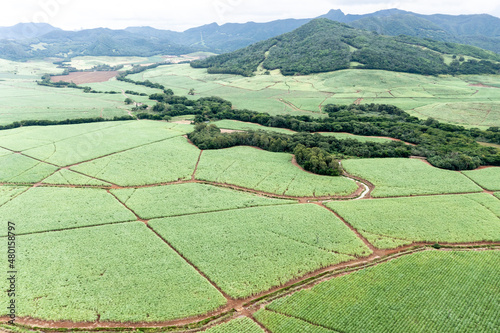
(247, 306)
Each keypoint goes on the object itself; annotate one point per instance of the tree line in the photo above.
(444, 145)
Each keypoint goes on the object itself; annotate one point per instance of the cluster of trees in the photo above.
(323, 45)
(131, 92)
(445, 145)
(146, 83)
(311, 157)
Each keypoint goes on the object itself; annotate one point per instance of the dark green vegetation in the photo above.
(323, 45)
(430, 291)
(446, 146)
(477, 30)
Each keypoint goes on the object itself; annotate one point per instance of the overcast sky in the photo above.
(180, 15)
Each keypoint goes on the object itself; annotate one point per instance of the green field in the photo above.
(87, 62)
(344, 136)
(21, 169)
(72, 144)
(23, 99)
(269, 172)
(451, 99)
(431, 291)
(402, 177)
(243, 126)
(250, 250)
(238, 325)
(388, 223)
(53, 208)
(279, 323)
(185, 199)
(488, 178)
(128, 222)
(165, 161)
(111, 273)
(422, 96)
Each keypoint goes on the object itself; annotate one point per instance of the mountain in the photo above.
(91, 42)
(323, 45)
(224, 38)
(16, 42)
(26, 30)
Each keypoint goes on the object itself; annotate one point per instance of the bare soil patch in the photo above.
(481, 85)
(224, 130)
(85, 77)
(183, 122)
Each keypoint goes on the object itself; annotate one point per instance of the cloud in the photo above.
(184, 14)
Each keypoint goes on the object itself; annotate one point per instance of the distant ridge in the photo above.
(323, 45)
(26, 30)
(17, 42)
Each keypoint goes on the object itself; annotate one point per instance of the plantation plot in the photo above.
(477, 114)
(388, 223)
(165, 161)
(489, 178)
(344, 136)
(401, 177)
(243, 126)
(431, 291)
(278, 323)
(94, 144)
(250, 250)
(23, 99)
(121, 273)
(277, 94)
(24, 138)
(68, 177)
(268, 172)
(183, 199)
(16, 168)
(53, 208)
(238, 325)
(7, 193)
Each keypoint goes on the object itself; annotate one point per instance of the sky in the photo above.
(180, 15)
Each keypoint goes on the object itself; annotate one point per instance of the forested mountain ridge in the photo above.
(323, 45)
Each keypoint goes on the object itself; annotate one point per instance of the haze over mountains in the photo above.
(25, 41)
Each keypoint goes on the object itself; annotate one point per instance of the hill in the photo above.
(91, 42)
(477, 30)
(323, 45)
(26, 30)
